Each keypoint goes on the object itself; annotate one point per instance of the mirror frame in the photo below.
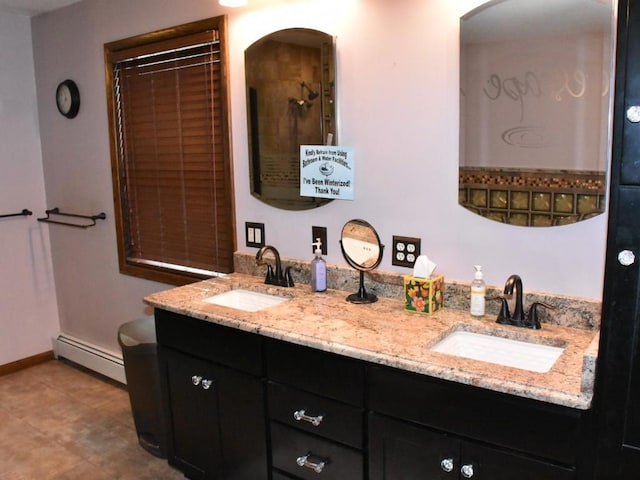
(361, 296)
(293, 91)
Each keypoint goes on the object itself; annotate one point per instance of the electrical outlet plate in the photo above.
(405, 251)
(254, 233)
(321, 233)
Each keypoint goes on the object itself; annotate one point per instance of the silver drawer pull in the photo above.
(206, 384)
(196, 380)
(303, 461)
(302, 415)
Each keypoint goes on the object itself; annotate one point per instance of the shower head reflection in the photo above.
(312, 93)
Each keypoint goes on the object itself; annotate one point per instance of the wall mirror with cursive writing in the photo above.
(291, 101)
(535, 100)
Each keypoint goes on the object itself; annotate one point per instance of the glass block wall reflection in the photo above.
(530, 197)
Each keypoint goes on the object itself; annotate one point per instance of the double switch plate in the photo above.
(254, 233)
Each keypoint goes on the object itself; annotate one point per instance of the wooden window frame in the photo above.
(154, 271)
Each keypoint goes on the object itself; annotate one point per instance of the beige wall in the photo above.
(28, 314)
(398, 107)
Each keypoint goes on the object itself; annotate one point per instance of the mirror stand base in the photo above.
(362, 296)
(357, 298)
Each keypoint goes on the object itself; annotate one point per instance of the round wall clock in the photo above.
(68, 98)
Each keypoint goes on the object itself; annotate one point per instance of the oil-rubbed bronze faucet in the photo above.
(518, 319)
(514, 281)
(280, 278)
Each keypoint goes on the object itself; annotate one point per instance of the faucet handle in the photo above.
(532, 318)
(504, 317)
(269, 277)
(288, 278)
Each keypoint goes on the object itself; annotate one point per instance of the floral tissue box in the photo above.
(424, 295)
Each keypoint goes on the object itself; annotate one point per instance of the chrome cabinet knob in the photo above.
(447, 464)
(206, 384)
(626, 258)
(467, 471)
(633, 114)
(196, 379)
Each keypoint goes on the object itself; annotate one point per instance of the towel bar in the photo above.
(56, 211)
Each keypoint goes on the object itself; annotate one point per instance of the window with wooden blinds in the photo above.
(170, 152)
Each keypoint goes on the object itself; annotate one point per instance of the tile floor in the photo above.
(59, 422)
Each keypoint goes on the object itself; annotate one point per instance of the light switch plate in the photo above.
(254, 234)
(405, 251)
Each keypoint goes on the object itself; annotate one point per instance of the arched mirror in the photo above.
(362, 250)
(536, 90)
(291, 101)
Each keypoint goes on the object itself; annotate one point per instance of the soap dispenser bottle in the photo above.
(318, 269)
(478, 291)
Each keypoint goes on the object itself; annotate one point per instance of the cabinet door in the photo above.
(217, 420)
(194, 445)
(617, 389)
(630, 463)
(484, 463)
(627, 327)
(401, 451)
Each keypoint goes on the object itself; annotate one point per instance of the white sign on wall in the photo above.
(326, 171)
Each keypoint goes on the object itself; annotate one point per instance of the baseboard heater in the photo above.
(93, 357)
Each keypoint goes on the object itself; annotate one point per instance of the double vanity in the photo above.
(271, 381)
(289, 384)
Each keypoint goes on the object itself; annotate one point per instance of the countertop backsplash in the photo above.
(568, 311)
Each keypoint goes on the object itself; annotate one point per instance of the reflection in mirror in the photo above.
(290, 79)
(362, 250)
(535, 96)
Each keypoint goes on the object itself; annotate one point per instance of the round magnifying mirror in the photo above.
(362, 250)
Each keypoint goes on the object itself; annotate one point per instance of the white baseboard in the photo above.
(93, 357)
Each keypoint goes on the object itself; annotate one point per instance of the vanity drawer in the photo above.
(280, 476)
(339, 421)
(209, 341)
(289, 445)
(316, 371)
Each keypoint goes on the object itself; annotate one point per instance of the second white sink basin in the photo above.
(534, 357)
(245, 300)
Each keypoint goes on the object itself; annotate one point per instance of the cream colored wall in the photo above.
(28, 313)
(398, 94)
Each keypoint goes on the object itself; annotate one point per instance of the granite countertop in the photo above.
(384, 333)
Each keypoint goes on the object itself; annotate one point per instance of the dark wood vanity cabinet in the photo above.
(428, 428)
(246, 407)
(215, 399)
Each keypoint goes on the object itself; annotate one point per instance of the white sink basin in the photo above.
(245, 300)
(534, 357)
